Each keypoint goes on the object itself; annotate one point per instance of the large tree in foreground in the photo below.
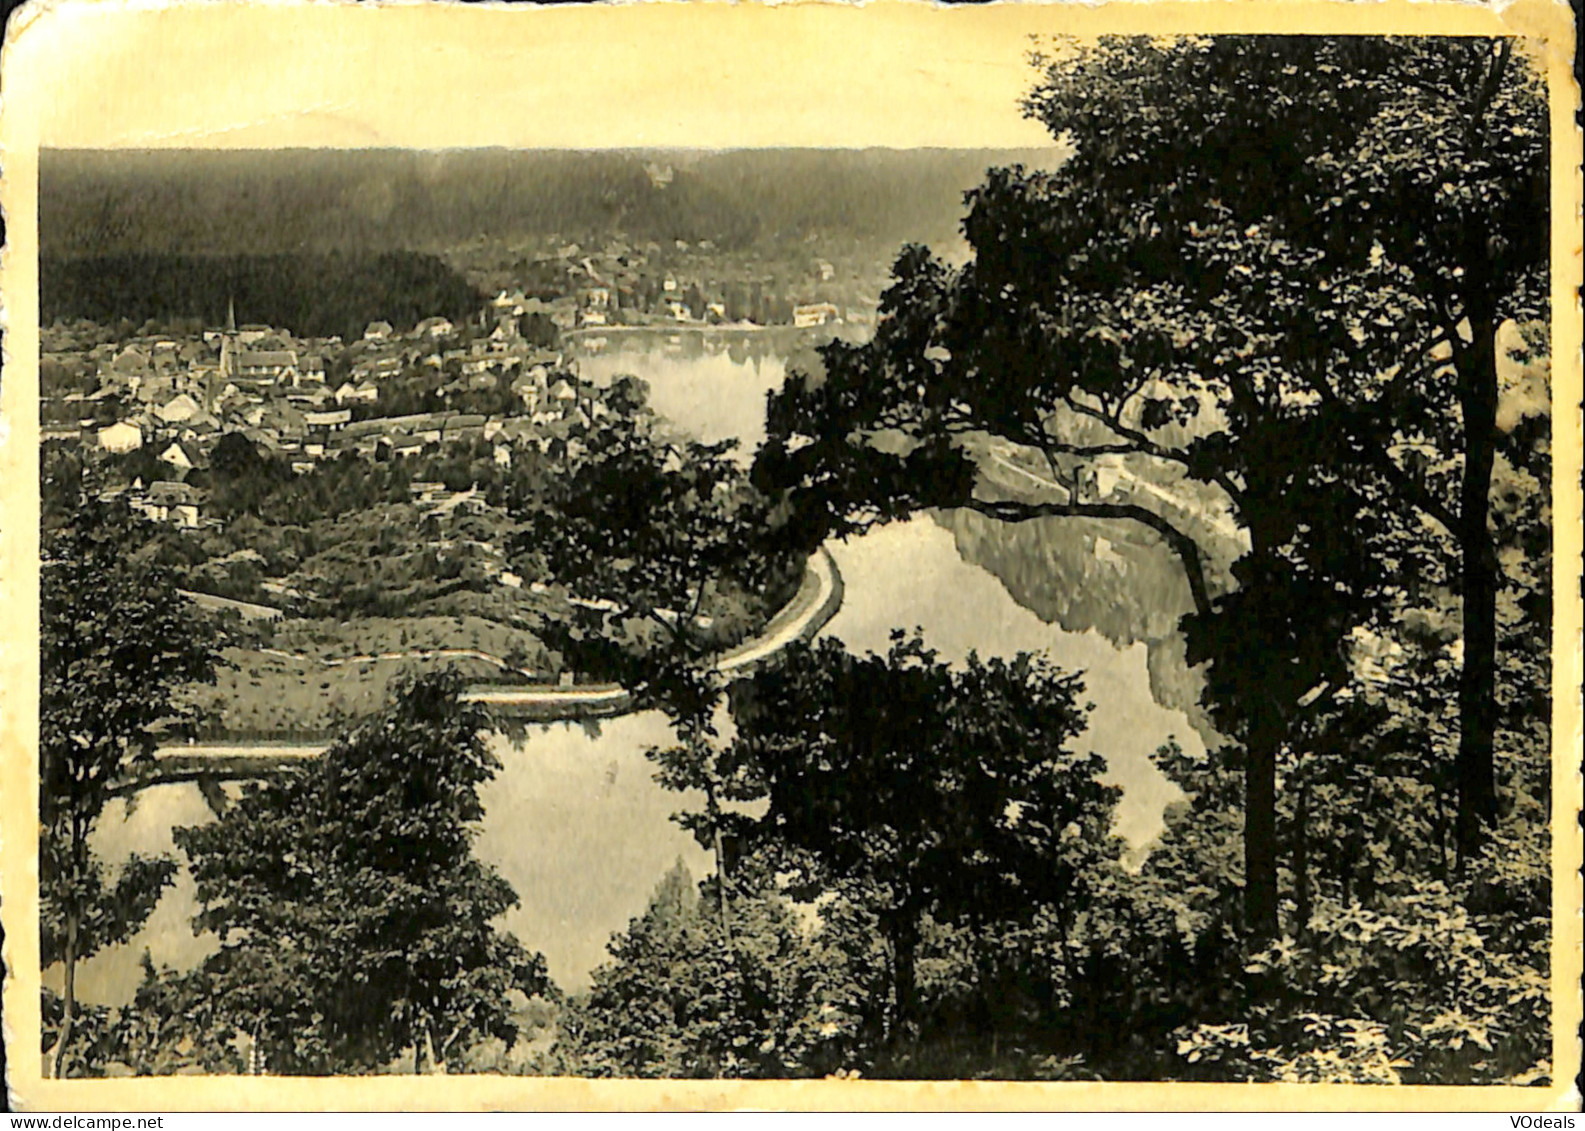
(117, 643)
(946, 794)
(354, 921)
(1273, 269)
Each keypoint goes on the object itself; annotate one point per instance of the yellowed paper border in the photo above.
(109, 74)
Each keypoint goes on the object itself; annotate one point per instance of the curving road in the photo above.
(815, 603)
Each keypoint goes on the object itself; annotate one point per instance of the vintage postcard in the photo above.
(800, 556)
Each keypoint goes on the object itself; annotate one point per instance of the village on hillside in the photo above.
(176, 389)
(180, 398)
(351, 501)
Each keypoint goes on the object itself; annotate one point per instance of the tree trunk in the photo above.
(1477, 697)
(904, 940)
(720, 887)
(1301, 864)
(435, 1056)
(713, 808)
(68, 998)
(1260, 834)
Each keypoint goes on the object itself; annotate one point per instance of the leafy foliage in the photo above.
(645, 531)
(936, 791)
(646, 534)
(116, 647)
(1278, 266)
(353, 919)
(679, 999)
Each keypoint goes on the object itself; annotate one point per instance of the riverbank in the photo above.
(817, 600)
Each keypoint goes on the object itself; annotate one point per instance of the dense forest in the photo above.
(312, 295)
(246, 202)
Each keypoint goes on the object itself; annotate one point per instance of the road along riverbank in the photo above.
(817, 600)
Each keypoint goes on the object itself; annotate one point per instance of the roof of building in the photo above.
(189, 452)
(331, 416)
(167, 492)
(179, 407)
(266, 358)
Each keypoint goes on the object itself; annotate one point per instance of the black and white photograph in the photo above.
(1073, 602)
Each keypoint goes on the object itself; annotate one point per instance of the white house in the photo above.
(334, 420)
(815, 314)
(313, 368)
(121, 437)
(179, 408)
(366, 393)
(180, 457)
(170, 502)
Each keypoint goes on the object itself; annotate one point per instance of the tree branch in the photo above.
(1142, 443)
(1488, 91)
(1089, 449)
(1417, 494)
(1442, 298)
(1186, 548)
(1411, 373)
(1378, 457)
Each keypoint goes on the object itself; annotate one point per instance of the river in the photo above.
(575, 820)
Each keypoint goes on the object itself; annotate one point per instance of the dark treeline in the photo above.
(96, 202)
(311, 295)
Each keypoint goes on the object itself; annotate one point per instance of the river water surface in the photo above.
(575, 821)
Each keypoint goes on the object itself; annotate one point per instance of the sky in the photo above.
(133, 73)
(697, 75)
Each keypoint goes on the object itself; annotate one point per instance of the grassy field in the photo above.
(305, 679)
(265, 695)
(331, 640)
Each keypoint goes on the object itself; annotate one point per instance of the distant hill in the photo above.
(311, 294)
(217, 202)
